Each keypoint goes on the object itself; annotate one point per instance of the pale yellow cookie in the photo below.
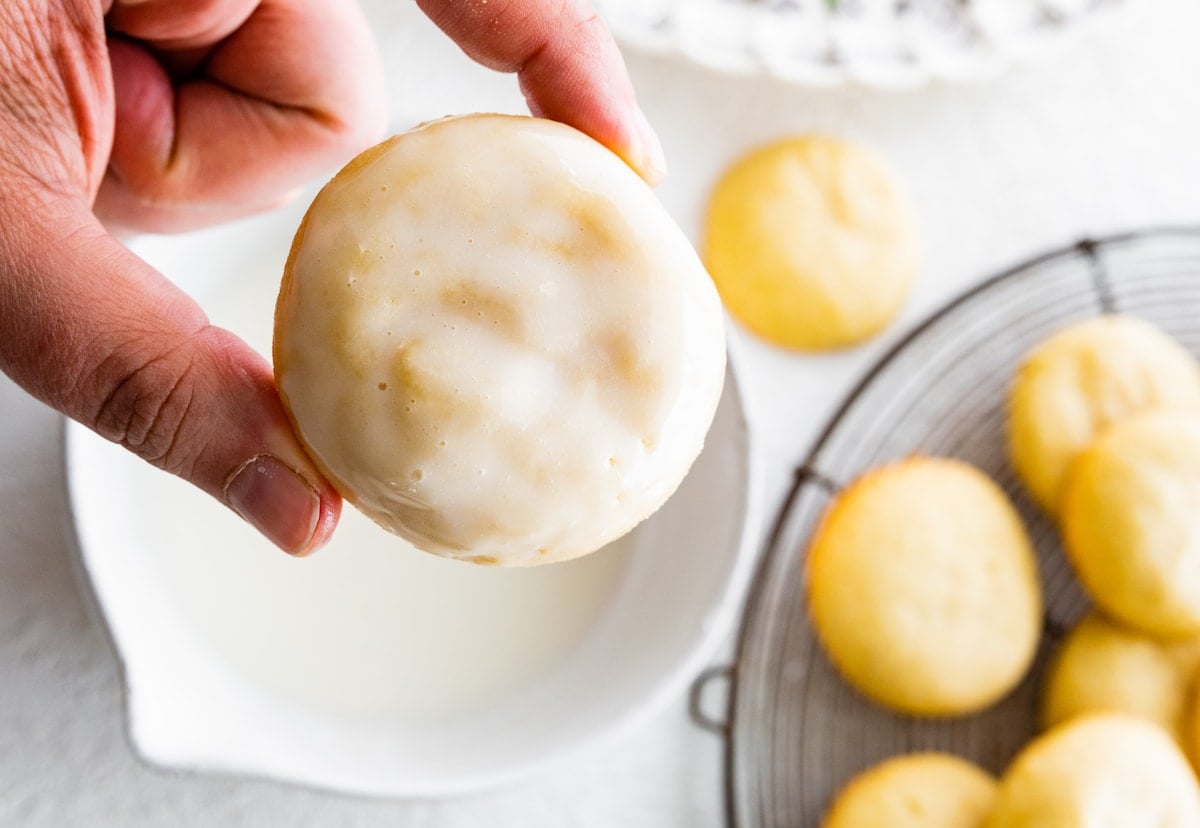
(495, 341)
(1105, 770)
(1082, 379)
(810, 243)
(923, 587)
(1191, 727)
(1105, 666)
(1131, 521)
(921, 790)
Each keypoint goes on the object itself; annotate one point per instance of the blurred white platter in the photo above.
(882, 43)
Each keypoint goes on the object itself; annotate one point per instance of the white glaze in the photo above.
(365, 630)
(496, 342)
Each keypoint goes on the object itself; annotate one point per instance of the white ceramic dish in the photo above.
(209, 645)
(880, 43)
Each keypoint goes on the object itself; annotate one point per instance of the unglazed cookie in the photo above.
(1106, 770)
(1131, 521)
(923, 588)
(1191, 727)
(1081, 380)
(810, 243)
(921, 790)
(1104, 666)
(496, 343)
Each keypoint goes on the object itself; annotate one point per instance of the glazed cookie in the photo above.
(1131, 522)
(1106, 770)
(1104, 666)
(810, 243)
(1082, 379)
(495, 341)
(921, 790)
(923, 588)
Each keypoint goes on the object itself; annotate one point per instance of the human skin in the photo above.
(166, 115)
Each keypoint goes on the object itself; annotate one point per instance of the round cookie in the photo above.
(1106, 770)
(1191, 727)
(810, 243)
(1131, 522)
(920, 790)
(1082, 379)
(923, 588)
(1103, 666)
(495, 341)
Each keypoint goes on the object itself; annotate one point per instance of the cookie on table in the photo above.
(495, 341)
(1104, 666)
(1191, 726)
(923, 589)
(1131, 522)
(920, 790)
(810, 243)
(1105, 770)
(1082, 379)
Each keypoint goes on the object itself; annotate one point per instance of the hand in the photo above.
(172, 114)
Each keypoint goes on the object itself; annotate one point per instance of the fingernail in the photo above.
(275, 500)
(647, 152)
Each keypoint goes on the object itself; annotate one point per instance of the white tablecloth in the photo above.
(1104, 136)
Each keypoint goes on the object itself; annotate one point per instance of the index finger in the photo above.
(568, 65)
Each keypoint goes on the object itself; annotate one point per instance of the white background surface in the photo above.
(1104, 136)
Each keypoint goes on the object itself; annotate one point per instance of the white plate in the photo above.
(238, 659)
(884, 43)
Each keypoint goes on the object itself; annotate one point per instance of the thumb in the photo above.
(97, 333)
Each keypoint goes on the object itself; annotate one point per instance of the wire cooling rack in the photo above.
(874, 42)
(795, 731)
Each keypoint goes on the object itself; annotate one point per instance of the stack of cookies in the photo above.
(923, 590)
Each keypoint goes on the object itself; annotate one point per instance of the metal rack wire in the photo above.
(795, 731)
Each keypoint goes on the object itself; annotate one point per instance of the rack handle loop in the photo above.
(700, 699)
